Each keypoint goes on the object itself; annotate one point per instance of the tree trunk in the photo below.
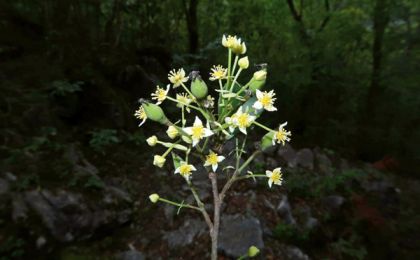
(380, 22)
(191, 17)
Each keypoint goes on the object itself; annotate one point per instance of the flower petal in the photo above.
(188, 130)
(257, 105)
(207, 132)
(197, 121)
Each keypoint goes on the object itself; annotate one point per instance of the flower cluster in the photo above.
(238, 108)
(197, 138)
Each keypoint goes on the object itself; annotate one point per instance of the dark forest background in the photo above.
(346, 73)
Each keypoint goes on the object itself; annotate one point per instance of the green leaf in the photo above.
(176, 159)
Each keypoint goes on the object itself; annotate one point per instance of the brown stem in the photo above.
(216, 218)
(201, 206)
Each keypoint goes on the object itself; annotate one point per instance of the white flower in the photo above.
(230, 41)
(159, 161)
(265, 100)
(160, 94)
(177, 77)
(152, 140)
(243, 62)
(242, 120)
(213, 159)
(183, 100)
(217, 72)
(154, 198)
(274, 176)
(185, 169)
(141, 114)
(198, 131)
(230, 122)
(172, 132)
(281, 136)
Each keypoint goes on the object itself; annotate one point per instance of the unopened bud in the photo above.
(243, 63)
(152, 140)
(198, 86)
(258, 80)
(159, 161)
(172, 132)
(154, 198)
(154, 113)
(253, 251)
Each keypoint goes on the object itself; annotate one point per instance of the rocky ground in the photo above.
(327, 208)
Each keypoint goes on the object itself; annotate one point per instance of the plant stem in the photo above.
(234, 176)
(201, 206)
(229, 66)
(235, 79)
(263, 126)
(214, 234)
(234, 64)
(179, 204)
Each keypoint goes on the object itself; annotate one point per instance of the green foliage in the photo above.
(12, 247)
(310, 184)
(291, 233)
(138, 138)
(27, 181)
(349, 248)
(329, 184)
(61, 88)
(94, 182)
(100, 139)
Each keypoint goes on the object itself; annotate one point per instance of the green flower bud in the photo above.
(198, 86)
(267, 140)
(253, 251)
(159, 161)
(154, 197)
(152, 140)
(243, 63)
(258, 80)
(154, 113)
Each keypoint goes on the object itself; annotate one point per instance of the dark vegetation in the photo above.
(346, 74)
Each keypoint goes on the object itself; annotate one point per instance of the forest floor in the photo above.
(327, 208)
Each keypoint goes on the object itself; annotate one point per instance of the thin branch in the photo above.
(200, 205)
(294, 12)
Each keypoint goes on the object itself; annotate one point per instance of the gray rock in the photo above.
(19, 208)
(333, 202)
(4, 186)
(186, 233)
(130, 255)
(119, 194)
(238, 233)
(305, 158)
(10, 176)
(54, 221)
(81, 166)
(344, 165)
(40, 242)
(287, 155)
(285, 211)
(308, 221)
(68, 217)
(293, 253)
(377, 185)
(324, 164)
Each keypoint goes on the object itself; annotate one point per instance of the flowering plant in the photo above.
(236, 112)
